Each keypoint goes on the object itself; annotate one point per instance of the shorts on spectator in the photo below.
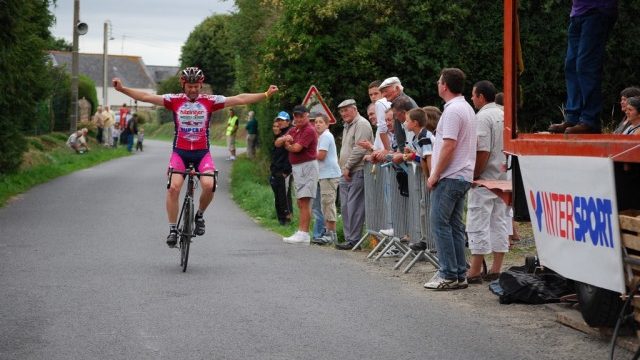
(328, 195)
(486, 222)
(305, 179)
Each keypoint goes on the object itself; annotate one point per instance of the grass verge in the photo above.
(251, 191)
(47, 158)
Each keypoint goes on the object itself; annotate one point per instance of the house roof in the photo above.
(161, 73)
(130, 69)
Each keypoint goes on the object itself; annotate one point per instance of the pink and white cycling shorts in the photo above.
(201, 159)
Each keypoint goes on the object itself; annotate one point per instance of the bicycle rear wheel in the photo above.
(186, 233)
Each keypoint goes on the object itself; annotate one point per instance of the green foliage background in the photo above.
(338, 45)
(24, 79)
(168, 86)
(342, 45)
(207, 47)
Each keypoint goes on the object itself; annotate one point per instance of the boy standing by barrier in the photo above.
(329, 178)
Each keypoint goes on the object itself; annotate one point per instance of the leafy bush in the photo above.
(170, 86)
(35, 143)
(24, 79)
(287, 42)
(12, 146)
(60, 136)
(61, 99)
(52, 140)
(87, 90)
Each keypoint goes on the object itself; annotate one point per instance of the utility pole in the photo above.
(105, 66)
(74, 67)
(79, 28)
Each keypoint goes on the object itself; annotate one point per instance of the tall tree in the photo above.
(60, 44)
(208, 48)
(24, 36)
(249, 27)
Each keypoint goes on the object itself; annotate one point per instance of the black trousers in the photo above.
(99, 132)
(282, 184)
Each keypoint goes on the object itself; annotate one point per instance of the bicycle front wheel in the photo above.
(186, 234)
(185, 241)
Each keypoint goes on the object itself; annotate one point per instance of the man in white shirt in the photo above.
(452, 164)
(486, 212)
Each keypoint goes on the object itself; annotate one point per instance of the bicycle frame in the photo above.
(187, 215)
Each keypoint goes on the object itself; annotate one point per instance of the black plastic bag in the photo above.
(403, 183)
(522, 287)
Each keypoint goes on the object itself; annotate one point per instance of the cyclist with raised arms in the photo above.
(191, 115)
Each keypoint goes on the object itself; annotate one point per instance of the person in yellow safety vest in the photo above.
(232, 129)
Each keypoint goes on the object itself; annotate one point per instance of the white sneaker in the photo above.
(393, 252)
(439, 283)
(387, 232)
(300, 237)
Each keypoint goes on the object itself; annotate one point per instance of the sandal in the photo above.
(491, 277)
(474, 279)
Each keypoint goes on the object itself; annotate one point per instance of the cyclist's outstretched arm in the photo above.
(138, 94)
(244, 99)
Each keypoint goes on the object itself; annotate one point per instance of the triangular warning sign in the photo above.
(314, 102)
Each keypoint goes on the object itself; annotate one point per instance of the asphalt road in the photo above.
(85, 274)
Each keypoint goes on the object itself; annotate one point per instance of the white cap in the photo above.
(346, 103)
(389, 81)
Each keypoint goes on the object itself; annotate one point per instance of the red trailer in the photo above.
(574, 189)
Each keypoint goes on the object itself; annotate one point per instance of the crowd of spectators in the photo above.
(112, 128)
(453, 147)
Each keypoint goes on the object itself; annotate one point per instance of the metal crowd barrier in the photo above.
(374, 183)
(376, 200)
(386, 208)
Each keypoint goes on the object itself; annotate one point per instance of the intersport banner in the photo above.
(574, 215)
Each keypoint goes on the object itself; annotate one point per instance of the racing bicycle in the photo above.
(186, 220)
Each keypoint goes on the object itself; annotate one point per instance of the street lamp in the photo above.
(79, 28)
(105, 80)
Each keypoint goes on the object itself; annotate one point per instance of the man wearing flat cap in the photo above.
(301, 142)
(393, 90)
(356, 128)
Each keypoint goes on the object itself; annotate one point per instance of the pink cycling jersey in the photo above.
(191, 119)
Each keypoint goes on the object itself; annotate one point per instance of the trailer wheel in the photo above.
(599, 307)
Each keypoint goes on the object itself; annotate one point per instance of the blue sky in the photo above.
(154, 30)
